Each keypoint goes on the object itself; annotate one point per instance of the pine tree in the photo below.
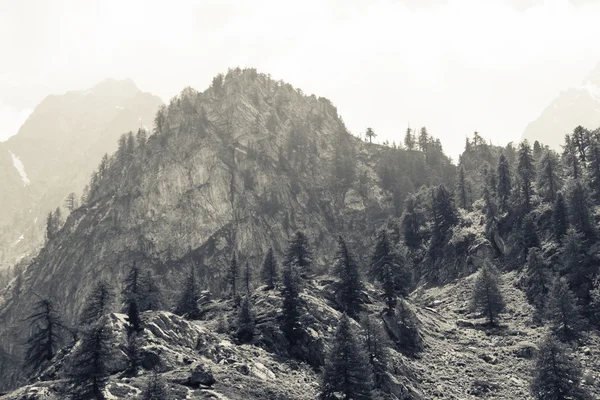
(579, 209)
(487, 297)
(349, 288)
(370, 134)
(46, 337)
(131, 294)
(594, 169)
(270, 272)
(383, 255)
(423, 140)
(537, 279)
(504, 183)
(71, 202)
(376, 345)
(537, 150)
(443, 219)
(188, 302)
(389, 288)
(299, 254)
(461, 190)
(247, 277)
(132, 351)
(570, 158)
(490, 211)
(526, 172)
(89, 372)
(232, 275)
(151, 298)
(409, 140)
(560, 223)
(291, 304)
(548, 176)
(98, 303)
(562, 311)
(556, 374)
(245, 321)
(530, 237)
(407, 331)
(155, 389)
(412, 222)
(347, 370)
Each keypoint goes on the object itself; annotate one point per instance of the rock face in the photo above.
(56, 150)
(572, 107)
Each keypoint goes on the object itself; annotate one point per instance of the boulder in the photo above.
(200, 375)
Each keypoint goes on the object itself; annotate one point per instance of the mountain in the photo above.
(572, 107)
(58, 147)
(237, 168)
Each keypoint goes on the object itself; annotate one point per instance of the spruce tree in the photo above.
(562, 310)
(389, 288)
(556, 374)
(349, 288)
(299, 254)
(594, 169)
(577, 266)
(580, 215)
(247, 277)
(291, 304)
(443, 219)
(537, 279)
(187, 305)
(407, 331)
(270, 272)
(409, 140)
(560, 223)
(131, 294)
(570, 159)
(152, 298)
(490, 211)
(89, 371)
(462, 190)
(530, 237)
(413, 221)
(526, 172)
(385, 255)
(132, 351)
(487, 297)
(46, 338)
(347, 370)
(233, 275)
(504, 183)
(155, 388)
(376, 345)
(245, 321)
(98, 303)
(548, 176)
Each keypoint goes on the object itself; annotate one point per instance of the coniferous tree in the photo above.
(347, 370)
(188, 302)
(131, 294)
(548, 175)
(490, 210)
(530, 237)
(376, 345)
(570, 158)
(537, 279)
(526, 172)
(232, 275)
(291, 304)
(461, 190)
(247, 277)
(406, 328)
(349, 288)
(155, 388)
(409, 140)
(504, 183)
(579, 209)
(443, 219)
(245, 321)
(132, 351)
(270, 272)
(593, 171)
(562, 311)
(412, 223)
(98, 303)
(487, 297)
(383, 255)
(370, 134)
(389, 288)
(152, 298)
(423, 140)
(537, 150)
(71, 202)
(556, 375)
(46, 337)
(560, 223)
(595, 302)
(89, 372)
(299, 254)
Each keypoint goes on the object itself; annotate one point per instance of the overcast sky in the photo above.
(454, 66)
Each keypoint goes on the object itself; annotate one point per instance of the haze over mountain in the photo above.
(573, 107)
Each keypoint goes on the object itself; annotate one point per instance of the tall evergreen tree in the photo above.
(270, 272)
(537, 150)
(461, 190)
(548, 175)
(443, 219)
(407, 331)
(131, 294)
(133, 353)
(562, 311)
(537, 279)
(233, 275)
(188, 302)
(556, 375)
(409, 140)
(370, 134)
(247, 277)
(526, 172)
(347, 369)
(89, 372)
(376, 345)
(487, 297)
(152, 298)
(155, 389)
(98, 303)
(570, 159)
(530, 237)
(245, 321)
(349, 288)
(423, 140)
(384, 254)
(504, 183)
(389, 288)
(291, 304)
(412, 222)
(490, 210)
(579, 209)
(560, 223)
(46, 337)
(593, 172)
(299, 254)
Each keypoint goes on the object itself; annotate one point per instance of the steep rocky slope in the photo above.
(56, 150)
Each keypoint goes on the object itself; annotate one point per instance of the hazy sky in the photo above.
(453, 65)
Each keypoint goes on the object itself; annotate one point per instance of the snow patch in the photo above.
(18, 164)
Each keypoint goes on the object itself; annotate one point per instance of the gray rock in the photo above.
(201, 376)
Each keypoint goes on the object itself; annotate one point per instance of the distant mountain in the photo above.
(573, 107)
(58, 147)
